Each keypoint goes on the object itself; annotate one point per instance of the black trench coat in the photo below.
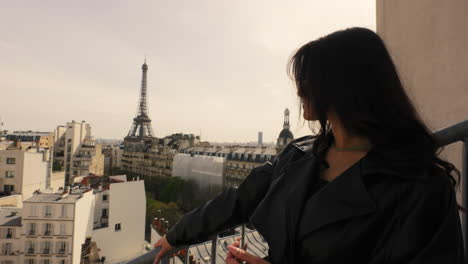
(371, 215)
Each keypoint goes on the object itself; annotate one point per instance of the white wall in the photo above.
(34, 173)
(204, 169)
(83, 224)
(127, 206)
(57, 180)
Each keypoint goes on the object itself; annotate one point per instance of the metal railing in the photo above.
(443, 137)
(149, 256)
(450, 135)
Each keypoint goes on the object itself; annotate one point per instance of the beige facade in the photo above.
(37, 139)
(112, 158)
(24, 171)
(242, 160)
(76, 153)
(239, 160)
(11, 245)
(428, 42)
(155, 158)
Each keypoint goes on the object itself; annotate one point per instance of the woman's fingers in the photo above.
(230, 259)
(243, 255)
(164, 247)
(157, 244)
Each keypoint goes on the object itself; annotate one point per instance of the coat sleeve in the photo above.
(428, 230)
(230, 208)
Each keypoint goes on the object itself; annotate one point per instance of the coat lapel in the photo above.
(273, 214)
(344, 197)
(282, 202)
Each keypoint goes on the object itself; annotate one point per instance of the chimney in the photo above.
(66, 192)
(18, 143)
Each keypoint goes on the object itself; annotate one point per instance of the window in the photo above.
(48, 210)
(8, 188)
(45, 261)
(7, 262)
(117, 227)
(45, 247)
(62, 229)
(104, 212)
(31, 228)
(62, 261)
(6, 233)
(29, 247)
(104, 197)
(29, 261)
(10, 174)
(47, 229)
(6, 249)
(63, 212)
(61, 247)
(11, 160)
(9, 233)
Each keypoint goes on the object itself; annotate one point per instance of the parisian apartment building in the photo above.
(86, 223)
(25, 168)
(76, 152)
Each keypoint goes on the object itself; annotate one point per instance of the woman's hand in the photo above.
(236, 255)
(165, 246)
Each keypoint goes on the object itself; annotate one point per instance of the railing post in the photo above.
(242, 236)
(465, 191)
(214, 244)
(187, 255)
(165, 260)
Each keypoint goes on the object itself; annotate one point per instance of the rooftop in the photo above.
(54, 198)
(10, 216)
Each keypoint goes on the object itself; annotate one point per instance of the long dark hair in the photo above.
(351, 72)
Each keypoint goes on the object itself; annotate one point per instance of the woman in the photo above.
(367, 188)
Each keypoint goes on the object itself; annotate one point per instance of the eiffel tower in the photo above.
(141, 128)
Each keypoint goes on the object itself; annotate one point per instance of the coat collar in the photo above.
(277, 215)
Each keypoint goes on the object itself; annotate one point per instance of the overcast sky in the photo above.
(218, 67)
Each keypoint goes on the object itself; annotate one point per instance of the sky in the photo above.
(216, 68)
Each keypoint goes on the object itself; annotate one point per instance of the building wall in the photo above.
(30, 171)
(34, 173)
(97, 162)
(57, 180)
(14, 200)
(76, 152)
(15, 241)
(17, 168)
(129, 241)
(204, 169)
(83, 224)
(33, 212)
(428, 42)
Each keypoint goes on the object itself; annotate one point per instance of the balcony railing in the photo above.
(443, 137)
